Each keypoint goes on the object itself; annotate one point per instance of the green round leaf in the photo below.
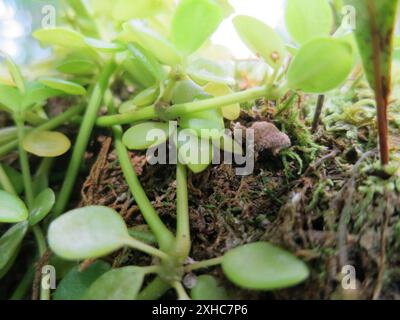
(75, 283)
(194, 22)
(85, 233)
(77, 67)
(42, 206)
(160, 47)
(261, 40)
(12, 208)
(143, 66)
(10, 243)
(146, 135)
(46, 144)
(104, 46)
(64, 86)
(194, 152)
(187, 91)
(146, 97)
(204, 70)
(308, 19)
(118, 284)
(60, 36)
(207, 288)
(206, 124)
(36, 93)
(123, 10)
(320, 65)
(262, 266)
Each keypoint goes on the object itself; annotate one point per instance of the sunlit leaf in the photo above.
(231, 112)
(42, 206)
(262, 266)
(77, 67)
(9, 98)
(15, 73)
(123, 10)
(194, 152)
(308, 19)
(143, 65)
(118, 284)
(63, 85)
(15, 178)
(204, 71)
(208, 288)
(321, 65)
(12, 208)
(36, 93)
(261, 40)
(47, 144)
(75, 283)
(194, 22)
(160, 47)
(104, 46)
(60, 36)
(146, 135)
(89, 232)
(9, 246)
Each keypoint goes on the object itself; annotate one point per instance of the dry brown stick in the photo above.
(318, 112)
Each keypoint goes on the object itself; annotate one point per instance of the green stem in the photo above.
(83, 139)
(180, 291)
(178, 110)
(24, 162)
(154, 290)
(203, 264)
(165, 238)
(183, 243)
(49, 125)
(141, 246)
(5, 182)
(42, 247)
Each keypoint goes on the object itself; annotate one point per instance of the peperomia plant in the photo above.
(149, 65)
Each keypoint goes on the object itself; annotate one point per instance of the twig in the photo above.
(318, 112)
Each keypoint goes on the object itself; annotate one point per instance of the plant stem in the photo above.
(178, 110)
(42, 247)
(183, 243)
(180, 291)
(5, 182)
(203, 264)
(136, 244)
(318, 112)
(49, 125)
(154, 290)
(24, 162)
(82, 140)
(165, 238)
